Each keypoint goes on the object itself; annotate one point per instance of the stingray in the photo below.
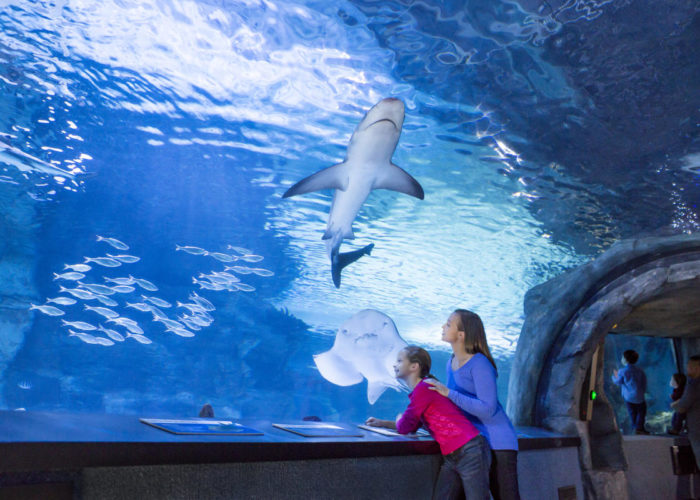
(365, 347)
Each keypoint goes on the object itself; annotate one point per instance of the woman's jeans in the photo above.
(504, 475)
(465, 472)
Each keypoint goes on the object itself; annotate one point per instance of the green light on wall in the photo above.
(593, 395)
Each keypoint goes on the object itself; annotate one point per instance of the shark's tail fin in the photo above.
(340, 260)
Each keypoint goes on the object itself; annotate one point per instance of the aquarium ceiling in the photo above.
(540, 133)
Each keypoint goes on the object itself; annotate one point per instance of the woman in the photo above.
(471, 385)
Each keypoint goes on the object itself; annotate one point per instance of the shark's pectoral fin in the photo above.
(340, 260)
(397, 179)
(337, 370)
(335, 177)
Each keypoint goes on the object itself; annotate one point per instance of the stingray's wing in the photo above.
(336, 369)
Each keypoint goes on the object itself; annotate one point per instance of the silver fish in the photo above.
(127, 259)
(251, 258)
(195, 319)
(156, 301)
(171, 323)
(98, 289)
(71, 276)
(139, 338)
(48, 310)
(123, 288)
(64, 301)
(182, 332)
(224, 274)
(145, 284)
(158, 314)
(193, 308)
(239, 269)
(81, 268)
(85, 337)
(113, 334)
(122, 281)
(106, 301)
(222, 280)
(202, 301)
(114, 242)
(127, 323)
(80, 325)
(103, 341)
(262, 272)
(208, 286)
(103, 311)
(191, 250)
(187, 320)
(243, 287)
(77, 292)
(223, 257)
(104, 261)
(140, 306)
(240, 250)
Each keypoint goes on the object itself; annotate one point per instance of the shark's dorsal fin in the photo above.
(397, 179)
(335, 177)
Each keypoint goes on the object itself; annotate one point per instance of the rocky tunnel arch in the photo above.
(650, 287)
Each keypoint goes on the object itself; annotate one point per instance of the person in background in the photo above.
(465, 468)
(678, 381)
(634, 384)
(690, 405)
(471, 385)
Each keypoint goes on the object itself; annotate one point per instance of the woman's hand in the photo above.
(437, 386)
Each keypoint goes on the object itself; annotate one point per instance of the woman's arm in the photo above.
(485, 404)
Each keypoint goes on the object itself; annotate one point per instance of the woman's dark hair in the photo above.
(474, 335)
(631, 356)
(680, 379)
(415, 354)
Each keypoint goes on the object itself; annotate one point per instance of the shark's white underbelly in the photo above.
(346, 204)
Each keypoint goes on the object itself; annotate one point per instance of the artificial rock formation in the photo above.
(644, 287)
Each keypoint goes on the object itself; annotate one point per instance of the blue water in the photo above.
(541, 132)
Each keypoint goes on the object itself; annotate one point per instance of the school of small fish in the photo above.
(227, 279)
(106, 325)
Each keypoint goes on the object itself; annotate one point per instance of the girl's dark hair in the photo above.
(680, 379)
(474, 335)
(631, 356)
(416, 354)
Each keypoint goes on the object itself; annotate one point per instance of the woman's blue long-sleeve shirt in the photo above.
(473, 390)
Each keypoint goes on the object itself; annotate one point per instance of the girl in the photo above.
(678, 381)
(471, 385)
(465, 451)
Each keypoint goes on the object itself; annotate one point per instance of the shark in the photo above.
(367, 166)
(365, 347)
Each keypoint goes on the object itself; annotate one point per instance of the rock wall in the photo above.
(567, 319)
